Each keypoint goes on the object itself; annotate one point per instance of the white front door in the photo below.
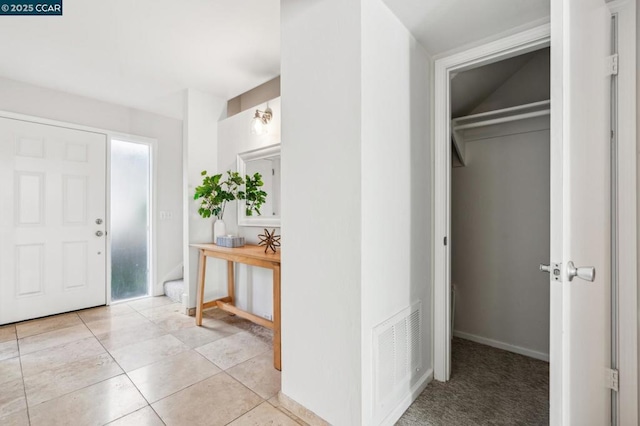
(580, 212)
(52, 192)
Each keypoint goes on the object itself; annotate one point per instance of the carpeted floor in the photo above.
(488, 386)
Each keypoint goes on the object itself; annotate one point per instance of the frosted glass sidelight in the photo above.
(130, 195)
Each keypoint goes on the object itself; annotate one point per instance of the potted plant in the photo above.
(215, 194)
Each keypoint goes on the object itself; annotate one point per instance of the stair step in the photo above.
(174, 289)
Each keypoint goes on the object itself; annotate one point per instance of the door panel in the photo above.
(52, 187)
(580, 319)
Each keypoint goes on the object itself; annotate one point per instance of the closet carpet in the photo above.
(488, 386)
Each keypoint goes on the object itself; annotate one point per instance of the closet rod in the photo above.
(532, 105)
(503, 120)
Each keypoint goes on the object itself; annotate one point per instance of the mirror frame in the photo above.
(243, 158)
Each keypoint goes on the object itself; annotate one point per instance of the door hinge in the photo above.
(612, 64)
(611, 379)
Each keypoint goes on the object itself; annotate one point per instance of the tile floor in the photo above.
(139, 363)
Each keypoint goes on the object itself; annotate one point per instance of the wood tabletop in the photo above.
(249, 250)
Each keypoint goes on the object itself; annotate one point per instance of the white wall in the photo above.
(40, 102)
(254, 286)
(500, 233)
(321, 207)
(201, 115)
(355, 199)
(396, 189)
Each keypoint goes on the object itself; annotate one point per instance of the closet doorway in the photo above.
(500, 232)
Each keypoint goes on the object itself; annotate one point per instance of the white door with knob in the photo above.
(580, 212)
(52, 219)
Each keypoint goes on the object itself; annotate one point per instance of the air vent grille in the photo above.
(397, 357)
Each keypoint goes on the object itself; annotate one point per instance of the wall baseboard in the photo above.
(416, 390)
(300, 411)
(501, 345)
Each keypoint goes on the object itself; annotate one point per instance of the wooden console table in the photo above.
(249, 255)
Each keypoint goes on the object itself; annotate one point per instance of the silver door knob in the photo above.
(99, 233)
(587, 273)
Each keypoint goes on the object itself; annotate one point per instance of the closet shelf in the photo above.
(520, 112)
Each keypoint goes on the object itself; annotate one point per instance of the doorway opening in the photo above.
(500, 231)
(492, 174)
(130, 217)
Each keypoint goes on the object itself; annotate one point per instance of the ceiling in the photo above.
(442, 25)
(143, 53)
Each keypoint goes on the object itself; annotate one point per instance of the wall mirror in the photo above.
(265, 161)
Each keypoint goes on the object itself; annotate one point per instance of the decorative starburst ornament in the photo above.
(270, 240)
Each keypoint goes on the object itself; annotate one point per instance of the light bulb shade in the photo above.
(257, 127)
(260, 121)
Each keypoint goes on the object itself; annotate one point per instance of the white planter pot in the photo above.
(219, 229)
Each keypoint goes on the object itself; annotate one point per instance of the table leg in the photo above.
(231, 282)
(202, 269)
(277, 361)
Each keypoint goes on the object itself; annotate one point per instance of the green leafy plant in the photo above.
(254, 196)
(215, 194)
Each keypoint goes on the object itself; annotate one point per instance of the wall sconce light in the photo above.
(260, 121)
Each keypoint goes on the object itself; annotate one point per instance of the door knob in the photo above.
(587, 273)
(99, 233)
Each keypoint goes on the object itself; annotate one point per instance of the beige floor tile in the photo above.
(38, 362)
(147, 352)
(214, 401)
(258, 331)
(143, 417)
(264, 414)
(215, 313)
(137, 333)
(42, 325)
(94, 405)
(258, 375)
(160, 311)
(119, 322)
(104, 312)
(161, 379)
(10, 370)
(7, 333)
(233, 350)
(20, 418)
(312, 418)
(54, 338)
(70, 377)
(12, 397)
(151, 302)
(174, 321)
(211, 330)
(293, 416)
(9, 349)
